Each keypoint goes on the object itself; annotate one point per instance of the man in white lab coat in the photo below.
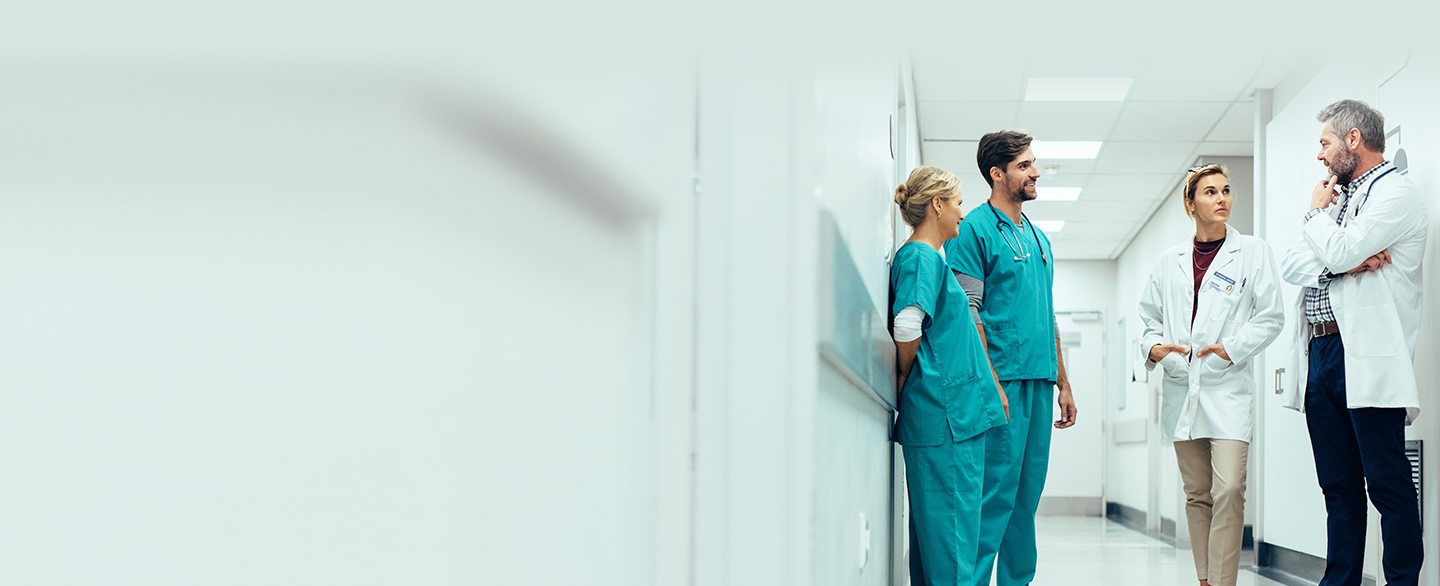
(1358, 263)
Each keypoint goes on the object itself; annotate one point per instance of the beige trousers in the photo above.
(1213, 472)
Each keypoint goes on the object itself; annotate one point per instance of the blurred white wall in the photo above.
(281, 326)
(537, 325)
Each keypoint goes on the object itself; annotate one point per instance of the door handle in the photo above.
(1279, 383)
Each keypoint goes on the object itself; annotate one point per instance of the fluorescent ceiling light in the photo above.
(1049, 226)
(1077, 89)
(1058, 193)
(1066, 149)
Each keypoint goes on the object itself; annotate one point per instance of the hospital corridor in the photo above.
(357, 303)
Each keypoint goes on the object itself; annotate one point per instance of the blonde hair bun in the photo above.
(924, 185)
(902, 195)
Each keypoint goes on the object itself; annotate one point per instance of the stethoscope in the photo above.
(1020, 253)
(1372, 188)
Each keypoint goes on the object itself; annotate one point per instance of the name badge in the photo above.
(1223, 283)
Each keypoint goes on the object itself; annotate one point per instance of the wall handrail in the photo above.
(853, 336)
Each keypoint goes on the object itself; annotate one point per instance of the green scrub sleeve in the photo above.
(918, 281)
(965, 252)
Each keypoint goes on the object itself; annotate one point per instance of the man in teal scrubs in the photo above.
(1005, 265)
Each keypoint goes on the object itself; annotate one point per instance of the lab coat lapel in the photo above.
(1185, 273)
(1185, 261)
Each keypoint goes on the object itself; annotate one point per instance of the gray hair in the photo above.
(1347, 114)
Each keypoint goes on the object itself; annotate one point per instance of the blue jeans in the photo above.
(1356, 449)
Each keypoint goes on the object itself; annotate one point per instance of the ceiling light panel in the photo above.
(1077, 89)
(1066, 149)
(1058, 193)
(1049, 226)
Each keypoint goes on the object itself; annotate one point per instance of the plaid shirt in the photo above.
(1317, 299)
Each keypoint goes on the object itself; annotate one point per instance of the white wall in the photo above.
(1077, 454)
(272, 327)
(856, 103)
(1085, 285)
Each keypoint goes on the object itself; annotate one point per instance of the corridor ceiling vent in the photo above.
(1058, 193)
(1049, 226)
(1066, 149)
(1077, 89)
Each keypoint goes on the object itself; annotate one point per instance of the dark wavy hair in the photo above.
(999, 149)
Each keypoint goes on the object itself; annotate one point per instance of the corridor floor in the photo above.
(1091, 551)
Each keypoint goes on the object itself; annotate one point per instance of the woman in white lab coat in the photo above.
(1212, 304)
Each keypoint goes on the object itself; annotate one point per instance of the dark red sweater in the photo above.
(1204, 253)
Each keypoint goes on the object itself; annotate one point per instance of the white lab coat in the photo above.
(1240, 308)
(1379, 311)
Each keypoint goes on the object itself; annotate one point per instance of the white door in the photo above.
(1073, 485)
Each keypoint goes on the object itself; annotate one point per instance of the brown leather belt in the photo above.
(1325, 329)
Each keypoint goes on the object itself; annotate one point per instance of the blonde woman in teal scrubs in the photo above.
(948, 396)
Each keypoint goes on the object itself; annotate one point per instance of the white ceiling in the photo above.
(1175, 111)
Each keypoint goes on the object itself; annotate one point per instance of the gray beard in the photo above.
(1346, 161)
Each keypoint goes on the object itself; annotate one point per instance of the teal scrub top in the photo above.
(950, 394)
(1018, 308)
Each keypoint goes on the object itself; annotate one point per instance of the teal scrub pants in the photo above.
(1017, 456)
(944, 483)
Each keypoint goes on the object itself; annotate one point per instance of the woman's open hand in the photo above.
(1216, 349)
(1159, 351)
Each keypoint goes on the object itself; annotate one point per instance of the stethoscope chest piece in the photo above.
(1016, 247)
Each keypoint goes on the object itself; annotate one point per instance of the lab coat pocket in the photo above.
(1174, 366)
(1373, 330)
(1214, 370)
